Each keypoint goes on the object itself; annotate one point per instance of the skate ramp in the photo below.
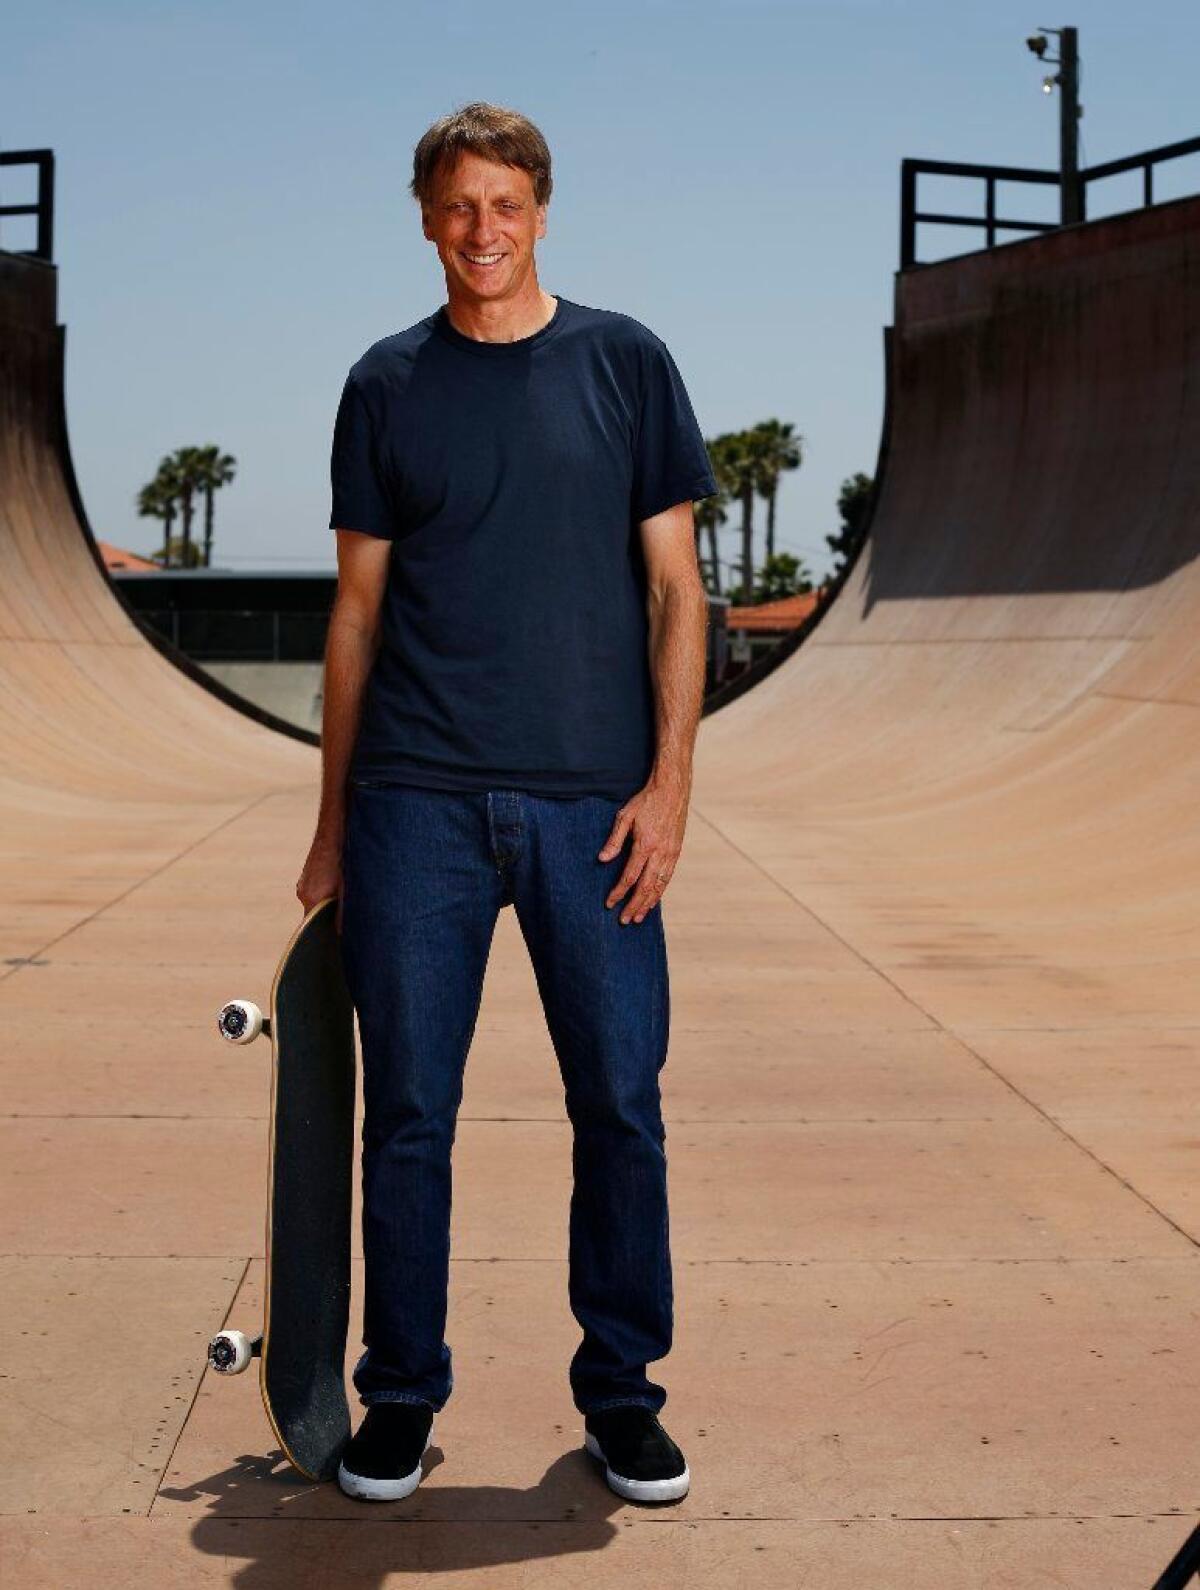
(90, 706)
(118, 753)
(993, 728)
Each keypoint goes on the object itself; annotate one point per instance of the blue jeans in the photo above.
(425, 875)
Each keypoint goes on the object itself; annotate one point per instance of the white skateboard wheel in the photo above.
(230, 1352)
(240, 1021)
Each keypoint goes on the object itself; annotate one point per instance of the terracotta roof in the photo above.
(119, 558)
(784, 614)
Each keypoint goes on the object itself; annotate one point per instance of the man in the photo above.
(514, 677)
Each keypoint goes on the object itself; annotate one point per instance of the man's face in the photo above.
(481, 209)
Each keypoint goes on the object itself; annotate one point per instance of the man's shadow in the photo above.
(290, 1530)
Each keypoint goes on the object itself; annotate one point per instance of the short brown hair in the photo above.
(490, 131)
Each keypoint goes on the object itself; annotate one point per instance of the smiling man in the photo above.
(514, 678)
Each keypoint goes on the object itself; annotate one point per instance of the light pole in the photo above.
(1066, 79)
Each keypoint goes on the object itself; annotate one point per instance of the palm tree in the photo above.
(854, 505)
(156, 500)
(723, 454)
(185, 468)
(710, 516)
(782, 450)
(739, 465)
(214, 469)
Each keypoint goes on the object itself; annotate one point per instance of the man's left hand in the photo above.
(656, 816)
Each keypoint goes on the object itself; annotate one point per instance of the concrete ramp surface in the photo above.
(931, 1100)
(994, 729)
(90, 706)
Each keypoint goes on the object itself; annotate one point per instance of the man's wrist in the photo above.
(331, 825)
(672, 770)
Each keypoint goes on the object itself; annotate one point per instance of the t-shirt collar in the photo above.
(492, 350)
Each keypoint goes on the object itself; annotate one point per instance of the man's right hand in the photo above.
(321, 875)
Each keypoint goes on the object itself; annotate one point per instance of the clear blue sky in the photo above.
(234, 228)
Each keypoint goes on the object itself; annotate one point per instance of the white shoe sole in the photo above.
(640, 1490)
(368, 1489)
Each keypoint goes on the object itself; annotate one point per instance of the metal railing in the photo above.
(1144, 162)
(258, 635)
(43, 206)
(990, 221)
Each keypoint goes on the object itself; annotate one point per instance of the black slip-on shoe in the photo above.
(382, 1461)
(641, 1461)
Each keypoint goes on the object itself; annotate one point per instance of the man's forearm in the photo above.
(678, 619)
(350, 650)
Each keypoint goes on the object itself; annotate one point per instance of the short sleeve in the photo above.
(360, 501)
(671, 463)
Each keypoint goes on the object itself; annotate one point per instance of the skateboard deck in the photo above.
(306, 1308)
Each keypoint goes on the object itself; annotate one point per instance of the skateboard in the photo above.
(302, 1346)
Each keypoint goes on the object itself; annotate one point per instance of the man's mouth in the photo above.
(483, 261)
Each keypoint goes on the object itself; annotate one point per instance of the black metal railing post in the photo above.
(908, 213)
(43, 206)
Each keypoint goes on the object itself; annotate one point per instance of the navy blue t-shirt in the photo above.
(510, 478)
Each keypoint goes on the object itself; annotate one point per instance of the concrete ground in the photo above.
(936, 1282)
